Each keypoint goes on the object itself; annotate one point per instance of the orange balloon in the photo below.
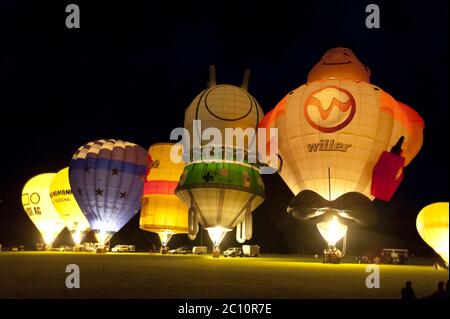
(334, 129)
(339, 63)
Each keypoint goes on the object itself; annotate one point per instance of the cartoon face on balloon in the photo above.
(333, 130)
(342, 62)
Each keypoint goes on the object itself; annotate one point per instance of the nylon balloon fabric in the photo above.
(107, 179)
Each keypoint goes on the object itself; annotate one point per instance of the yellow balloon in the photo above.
(162, 211)
(67, 206)
(432, 225)
(38, 205)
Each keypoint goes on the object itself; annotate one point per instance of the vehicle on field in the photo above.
(180, 251)
(62, 248)
(89, 247)
(250, 250)
(233, 252)
(199, 250)
(101, 249)
(95, 248)
(394, 256)
(123, 248)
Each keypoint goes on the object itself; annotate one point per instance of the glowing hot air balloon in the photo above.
(67, 207)
(107, 177)
(162, 211)
(336, 128)
(432, 225)
(221, 196)
(222, 191)
(38, 205)
(342, 138)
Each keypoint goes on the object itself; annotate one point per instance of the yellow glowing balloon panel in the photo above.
(163, 213)
(162, 168)
(65, 203)
(161, 209)
(332, 231)
(432, 225)
(38, 205)
(347, 137)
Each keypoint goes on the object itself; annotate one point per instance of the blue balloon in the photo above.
(107, 180)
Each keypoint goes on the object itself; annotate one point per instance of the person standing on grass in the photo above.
(440, 293)
(407, 292)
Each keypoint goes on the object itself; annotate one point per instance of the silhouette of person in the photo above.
(446, 290)
(440, 293)
(407, 292)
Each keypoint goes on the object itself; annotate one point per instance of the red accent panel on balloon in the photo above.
(159, 187)
(385, 177)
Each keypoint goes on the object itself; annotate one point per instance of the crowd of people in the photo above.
(407, 292)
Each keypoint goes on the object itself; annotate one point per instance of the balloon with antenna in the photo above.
(220, 185)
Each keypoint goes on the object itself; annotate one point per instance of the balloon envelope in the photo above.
(66, 205)
(222, 192)
(162, 211)
(107, 177)
(223, 106)
(432, 225)
(38, 205)
(333, 130)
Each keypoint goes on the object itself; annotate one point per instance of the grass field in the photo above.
(140, 275)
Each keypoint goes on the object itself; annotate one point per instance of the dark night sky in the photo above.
(133, 67)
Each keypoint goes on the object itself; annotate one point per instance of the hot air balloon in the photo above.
(220, 191)
(38, 205)
(107, 177)
(67, 207)
(432, 225)
(221, 196)
(340, 136)
(162, 211)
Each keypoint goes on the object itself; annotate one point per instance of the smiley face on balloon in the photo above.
(333, 130)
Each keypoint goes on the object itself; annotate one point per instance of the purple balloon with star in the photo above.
(107, 180)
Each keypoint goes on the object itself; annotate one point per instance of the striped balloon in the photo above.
(162, 211)
(107, 179)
